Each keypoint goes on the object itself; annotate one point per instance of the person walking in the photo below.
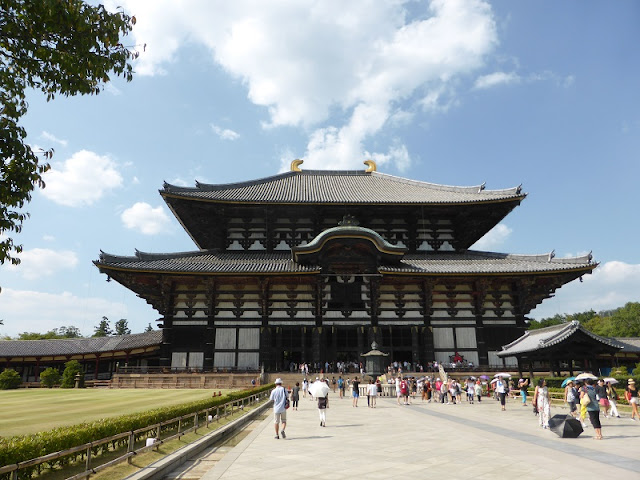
(295, 396)
(478, 390)
(341, 384)
(279, 398)
(323, 404)
(542, 401)
(523, 385)
(501, 389)
(601, 395)
(305, 387)
(372, 393)
(631, 394)
(571, 397)
(612, 395)
(355, 391)
(593, 408)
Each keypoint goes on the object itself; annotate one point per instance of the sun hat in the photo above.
(278, 381)
(631, 380)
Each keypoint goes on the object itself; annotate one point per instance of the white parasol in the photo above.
(506, 375)
(586, 376)
(319, 389)
(610, 380)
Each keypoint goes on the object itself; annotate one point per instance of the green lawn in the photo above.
(34, 410)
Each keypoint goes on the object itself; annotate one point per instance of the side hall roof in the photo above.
(215, 262)
(545, 338)
(339, 187)
(77, 346)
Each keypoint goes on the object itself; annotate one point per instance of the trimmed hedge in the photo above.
(26, 447)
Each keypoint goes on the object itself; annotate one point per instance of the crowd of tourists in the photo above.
(585, 396)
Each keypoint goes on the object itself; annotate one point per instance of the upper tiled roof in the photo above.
(546, 337)
(339, 187)
(470, 262)
(77, 346)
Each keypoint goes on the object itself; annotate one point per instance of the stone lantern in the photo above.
(375, 361)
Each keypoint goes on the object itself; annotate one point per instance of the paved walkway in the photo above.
(455, 441)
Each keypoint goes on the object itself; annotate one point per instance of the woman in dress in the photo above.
(632, 396)
(543, 402)
(295, 396)
(323, 403)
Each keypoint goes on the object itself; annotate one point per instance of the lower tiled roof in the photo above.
(214, 262)
(78, 346)
(543, 338)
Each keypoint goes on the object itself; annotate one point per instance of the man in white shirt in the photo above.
(279, 397)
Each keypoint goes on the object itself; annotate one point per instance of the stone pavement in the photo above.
(454, 441)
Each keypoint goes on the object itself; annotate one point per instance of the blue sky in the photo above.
(543, 94)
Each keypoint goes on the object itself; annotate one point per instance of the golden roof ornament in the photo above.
(372, 166)
(295, 165)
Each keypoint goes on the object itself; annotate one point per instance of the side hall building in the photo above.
(313, 266)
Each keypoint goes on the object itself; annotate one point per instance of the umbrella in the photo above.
(494, 380)
(502, 375)
(565, 426)
(585, 376)
(610, 380)
(319, 389)
(567, 380)
(484, 377)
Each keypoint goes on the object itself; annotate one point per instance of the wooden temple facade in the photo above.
(313, 266)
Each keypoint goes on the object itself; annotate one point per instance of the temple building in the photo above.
(313, 266)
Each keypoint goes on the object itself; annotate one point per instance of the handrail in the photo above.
(14, 469)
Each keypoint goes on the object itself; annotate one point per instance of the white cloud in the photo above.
(32, 311)
(611, 285)
(305, 60)
(42, 262)
(495, 79)
(224, 133)
(52, 138)
(48, 238)
(493, 239)
(81, 180)
(146, 219)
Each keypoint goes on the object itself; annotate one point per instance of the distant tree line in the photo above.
(103, 329)
(621, 322)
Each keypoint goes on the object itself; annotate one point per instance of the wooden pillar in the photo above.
(519, 368)
(95, 374)
(531, 372)
(37, 371)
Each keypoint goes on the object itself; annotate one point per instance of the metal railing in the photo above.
(210, 415)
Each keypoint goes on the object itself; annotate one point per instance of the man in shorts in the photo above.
(279, 397)
(355, 385)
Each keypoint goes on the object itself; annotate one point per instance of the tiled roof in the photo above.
(630, 344)
(76, 346)
(212, 262)
(340, 187)
(209, 262)
(546, 337)
(476, 262)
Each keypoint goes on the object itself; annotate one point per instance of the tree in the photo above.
(9, 379)
(62, 332)
(547, 322)
(50, 377)
(103, 329)
(122, 327)
(149, 328)
(71, 368)
(60, 47)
